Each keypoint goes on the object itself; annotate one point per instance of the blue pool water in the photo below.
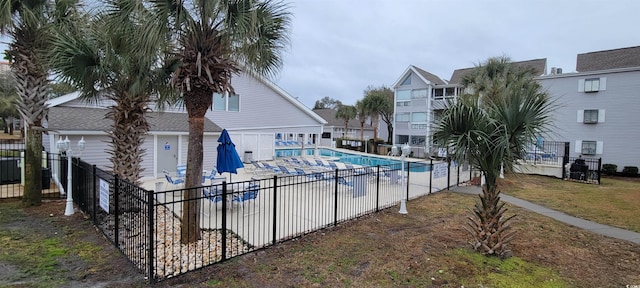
(352, 158)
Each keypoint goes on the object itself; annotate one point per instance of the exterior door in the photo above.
(167, 155)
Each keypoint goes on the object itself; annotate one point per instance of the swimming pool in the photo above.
(292, 152)
(352, 158)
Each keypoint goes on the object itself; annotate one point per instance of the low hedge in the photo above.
(630, 170)
(609, 169)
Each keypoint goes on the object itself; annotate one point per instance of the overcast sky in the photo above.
(339, 47)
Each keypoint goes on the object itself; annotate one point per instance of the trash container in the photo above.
(248, 156)
(46, 178)
(359, 185)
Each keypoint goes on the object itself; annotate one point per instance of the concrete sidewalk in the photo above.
(562, 217)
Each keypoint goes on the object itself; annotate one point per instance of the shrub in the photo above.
(630, 170)
(609, 169)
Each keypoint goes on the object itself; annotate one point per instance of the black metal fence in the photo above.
(239, 217)
(12, 171)
(588, 170)
(547, 152)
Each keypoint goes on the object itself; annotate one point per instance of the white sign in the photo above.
(442, 152)
(104, 195)
(440, 170)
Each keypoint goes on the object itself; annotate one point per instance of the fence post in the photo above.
(599, 169)
(448, 172)
(458, 179)
(93, 185)
(275, 209)
(408, 173)
(224, 220)
(430, 174)
(335, 202)
(378, 188)
(565, 161)
(151, 231)
(116, 207)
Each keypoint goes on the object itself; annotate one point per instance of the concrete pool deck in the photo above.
(300, 207)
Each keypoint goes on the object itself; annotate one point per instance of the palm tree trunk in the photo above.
(33, 167)
(196, 103)
(130, 126)
(31, 85)
(375, 119)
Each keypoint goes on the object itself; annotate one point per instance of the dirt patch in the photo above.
(72, 252)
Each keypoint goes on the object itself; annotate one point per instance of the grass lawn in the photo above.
(615, 202)
(428, 247)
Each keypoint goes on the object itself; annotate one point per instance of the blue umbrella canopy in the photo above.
(228, 159)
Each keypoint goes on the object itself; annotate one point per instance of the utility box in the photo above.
(46, 178)
(9, 170)
(248, 156)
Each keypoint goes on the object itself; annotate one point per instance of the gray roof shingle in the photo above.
(432, 78)
(538, 65)
(608, 59)
(93, 119)
(329, 115)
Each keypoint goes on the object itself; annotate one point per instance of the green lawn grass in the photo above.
(614, 202)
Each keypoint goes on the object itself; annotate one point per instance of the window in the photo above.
(403, 103)
(419, 117)
(418, 126)
(219, 102)
(326, 135)
(419, 93)
(403, 95)
(407, 81)
(590, 116)
(402, 138)
(222, 103)
(450, 91)
(234, 103)
(589, 147)
(418, 140)
(592, 85)
(402, 117)
(438, 93)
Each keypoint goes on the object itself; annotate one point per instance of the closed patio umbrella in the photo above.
(228, 159)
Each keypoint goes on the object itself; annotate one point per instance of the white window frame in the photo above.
(226, 98)
(580, 147)
(587, 85)
(403, 119)
(405, 93)
(417, 139)
(582, 119)
(403, 103)
(415, 94)
(589, 117)
(588, 147)
(420, 126)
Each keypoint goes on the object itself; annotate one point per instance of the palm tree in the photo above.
(216, 39)
(377, 103)
(492, 126)
(346, 113)
(363, 114)
(113, 57)
(29, 26)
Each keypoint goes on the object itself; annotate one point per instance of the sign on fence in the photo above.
(104, 195)
(440, 170)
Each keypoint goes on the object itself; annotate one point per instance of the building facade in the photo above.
(598, 106)
(596, 113)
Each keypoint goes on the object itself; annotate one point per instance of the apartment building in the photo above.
(599, 104)
(597, 110)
